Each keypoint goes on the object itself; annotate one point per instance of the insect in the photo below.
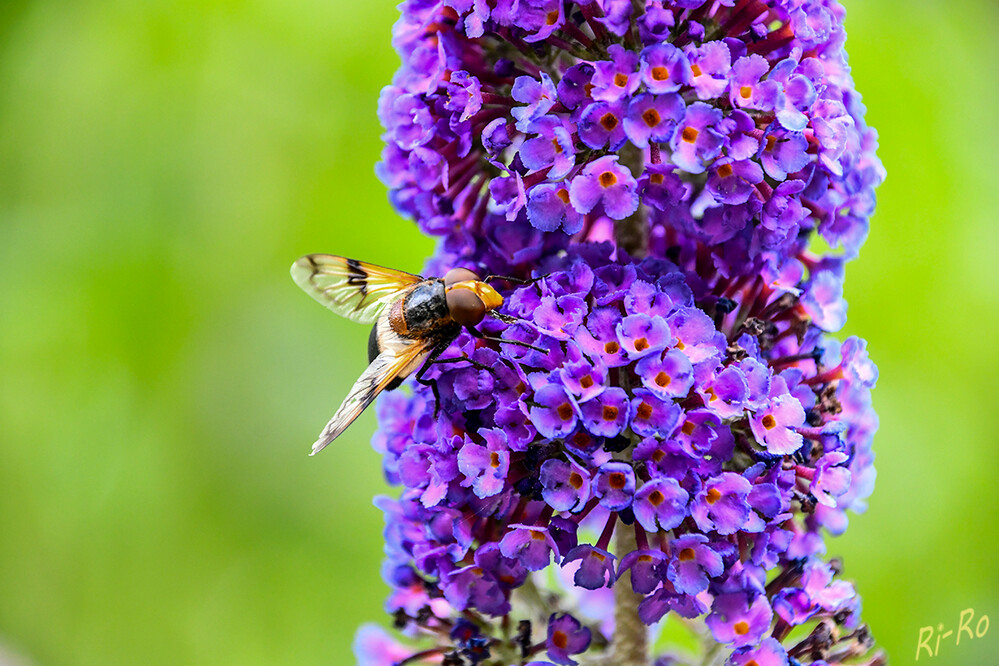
(414, 321)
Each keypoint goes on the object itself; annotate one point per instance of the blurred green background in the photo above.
(162, 162)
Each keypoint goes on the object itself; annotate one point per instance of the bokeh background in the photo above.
(162, 162)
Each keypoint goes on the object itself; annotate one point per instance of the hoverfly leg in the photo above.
(504, 341)
(432, 383)
(482, 336)
(515, 280)
(505, 318)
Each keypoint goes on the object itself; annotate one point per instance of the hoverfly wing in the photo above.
(353, 289)
(400, 358)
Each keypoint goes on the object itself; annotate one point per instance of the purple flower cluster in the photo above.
(729, 122)
(725, 439)
(669, 412)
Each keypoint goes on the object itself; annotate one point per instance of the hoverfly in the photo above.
(414, 321)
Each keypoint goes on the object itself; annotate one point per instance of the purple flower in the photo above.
(539, 96)
(596, 566)
(551, 149)
(605, 181)
(694, 562)
(530, 545)
(774, 426)
(485, 467)
(603, 124)
(783, 152)
(831, 478)
(555, 414)
(669, 375)
(641, 335)
(738, 619)
(660, 504)
(734, 182)
(768, 653)
(721, 504)
(566, 636)
(747, 90)
(696, 140)
(548, 209)
(709, 67)
(566, 485)
(606, 415)
(644, 566)
(615, 485)
(652, 118)
(652, 416)
(617, 78)
(664, 68)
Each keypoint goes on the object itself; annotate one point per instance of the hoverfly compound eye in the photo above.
(459, 275)
(465, 306)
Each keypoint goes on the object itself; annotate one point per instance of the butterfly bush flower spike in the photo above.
(662, 425)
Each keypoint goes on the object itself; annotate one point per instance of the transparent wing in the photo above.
(401, 357)
(353, 289)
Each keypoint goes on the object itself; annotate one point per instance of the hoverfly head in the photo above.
(468, 298)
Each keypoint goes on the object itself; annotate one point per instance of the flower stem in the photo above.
(632, 233)
(631, 638)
